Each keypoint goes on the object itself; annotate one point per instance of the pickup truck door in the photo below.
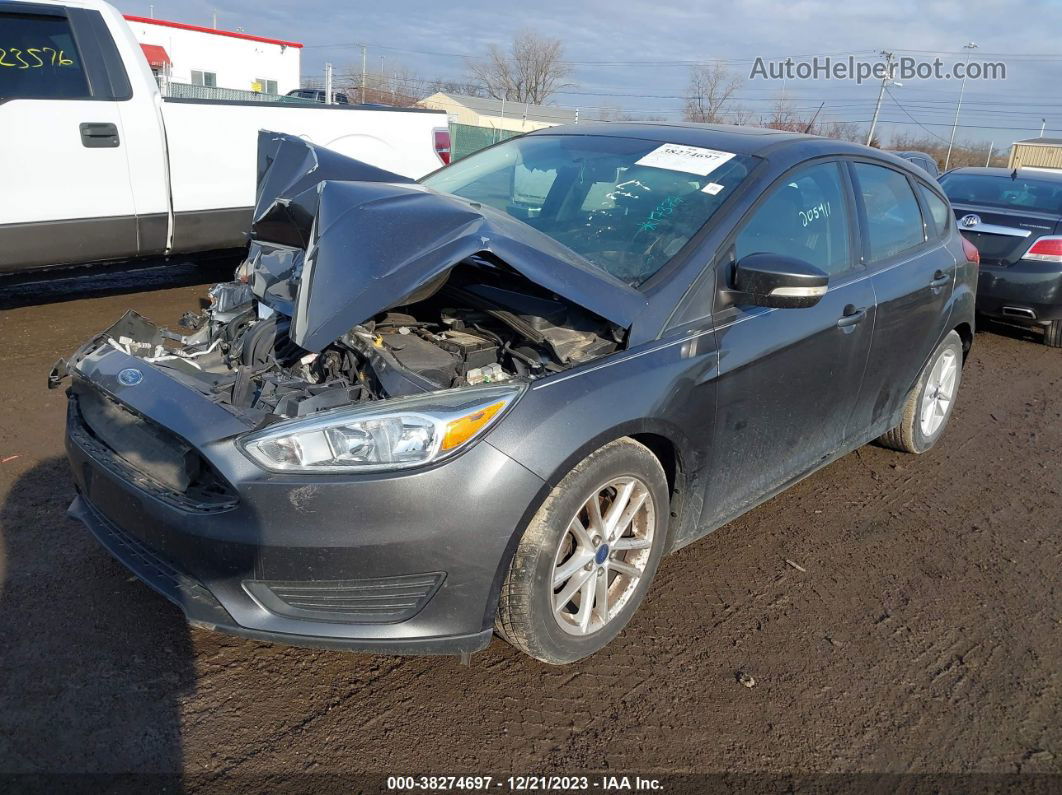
(65, 194)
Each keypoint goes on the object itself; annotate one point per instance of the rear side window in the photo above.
(939, 214)
(38, 59)
(805, 216)
(894, 222)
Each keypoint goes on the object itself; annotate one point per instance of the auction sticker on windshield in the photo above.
(691, 159)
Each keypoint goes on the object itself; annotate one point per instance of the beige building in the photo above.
(500, 114)
(1036, 153)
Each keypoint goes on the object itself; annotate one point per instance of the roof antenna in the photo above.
(1014, 173)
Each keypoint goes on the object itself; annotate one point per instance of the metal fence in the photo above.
(466, 138)
(189, 91)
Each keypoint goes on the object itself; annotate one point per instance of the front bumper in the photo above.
(451, 527)
(1027, 291)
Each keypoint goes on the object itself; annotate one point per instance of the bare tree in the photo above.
(532, 71)
(964, 153)
(710, 94)
(467, 88)
(784, 116)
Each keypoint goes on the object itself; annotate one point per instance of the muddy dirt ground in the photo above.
(922, 632)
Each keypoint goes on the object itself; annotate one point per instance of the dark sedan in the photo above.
(494, 400)
(1014, 218)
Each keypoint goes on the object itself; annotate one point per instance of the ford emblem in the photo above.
(970, 220)
(130, 376)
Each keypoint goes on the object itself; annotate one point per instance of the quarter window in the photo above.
(894, 221)
(804, 217)
(939, 214)
(38, 59)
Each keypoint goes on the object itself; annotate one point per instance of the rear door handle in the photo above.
(940, 279)
(99, 135)
(852, 315)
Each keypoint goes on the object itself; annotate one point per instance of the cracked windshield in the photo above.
(627, 205)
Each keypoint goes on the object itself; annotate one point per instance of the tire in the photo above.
(1053, 334)
(528, 614)
(913, 435)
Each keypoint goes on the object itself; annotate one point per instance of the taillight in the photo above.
(1046, 249)
(972, 254)
(442, 144)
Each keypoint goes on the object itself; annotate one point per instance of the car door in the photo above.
(66, 194)
(789, 378)
(912, 270)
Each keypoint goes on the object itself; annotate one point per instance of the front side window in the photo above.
(38, 59)
(627, 205)
(939, 215)
(894, 221)
(806, 216)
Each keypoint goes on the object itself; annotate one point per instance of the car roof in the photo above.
(729, 138)
(757, 141)
(1006, 172)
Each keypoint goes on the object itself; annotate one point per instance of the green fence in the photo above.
(466, 139)
(189, 91)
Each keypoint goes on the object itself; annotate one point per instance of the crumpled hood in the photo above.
(356, 240)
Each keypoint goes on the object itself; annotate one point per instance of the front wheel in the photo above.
(929, 405)
(586, 559)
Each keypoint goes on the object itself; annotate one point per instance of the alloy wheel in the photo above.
(602, 555)
(939, 393)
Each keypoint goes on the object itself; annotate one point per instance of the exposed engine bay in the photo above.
(360, 285)
(474, 329)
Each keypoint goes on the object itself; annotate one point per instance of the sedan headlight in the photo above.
(390, 434)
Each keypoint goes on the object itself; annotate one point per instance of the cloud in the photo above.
(629, 34)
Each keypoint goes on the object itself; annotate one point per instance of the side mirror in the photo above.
(777, 281)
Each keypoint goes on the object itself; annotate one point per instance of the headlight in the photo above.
(391, 434)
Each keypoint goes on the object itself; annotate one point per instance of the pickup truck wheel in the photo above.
(585, 561)
(1053, 334)
(928, 407)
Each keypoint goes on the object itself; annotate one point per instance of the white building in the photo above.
(220, 58)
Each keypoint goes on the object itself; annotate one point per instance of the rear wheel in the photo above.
(928, 407)
(1053, 334)
(586, 559)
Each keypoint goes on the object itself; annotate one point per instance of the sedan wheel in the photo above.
(930, 402)
(603, 555)
(585, 561)
(939, 392)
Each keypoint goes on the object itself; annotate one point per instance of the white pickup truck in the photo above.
(96, 165)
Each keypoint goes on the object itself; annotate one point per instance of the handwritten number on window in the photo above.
(33, 58)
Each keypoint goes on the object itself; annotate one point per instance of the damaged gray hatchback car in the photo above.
(491, 401)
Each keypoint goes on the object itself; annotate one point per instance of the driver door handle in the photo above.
(852, 315)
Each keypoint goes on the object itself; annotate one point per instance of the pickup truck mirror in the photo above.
(777, 281)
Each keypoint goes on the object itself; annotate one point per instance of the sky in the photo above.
(636, 56)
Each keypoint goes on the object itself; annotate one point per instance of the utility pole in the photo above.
(328, 84)
(991, 149)
(885, 79)
(955, 124)
(1043, 126)
(363, 70)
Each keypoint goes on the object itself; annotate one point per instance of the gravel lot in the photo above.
(922, 631)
